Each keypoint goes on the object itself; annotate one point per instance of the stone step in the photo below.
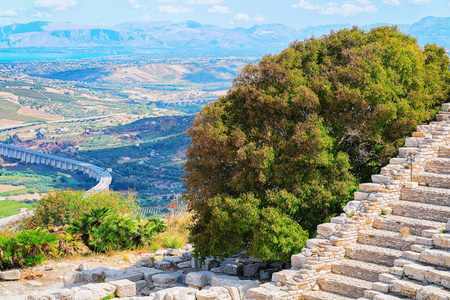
(374, 254)
(438, 165)
(343, 285)
(427, 273)
(437, 257)
(426, 194)
(381, 296)
(433, 179)
(391, 239)
(439, 213)
(321, 295)
(397, 223)
(359, 269)
(406, 288)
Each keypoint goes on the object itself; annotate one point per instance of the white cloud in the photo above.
(8, 13)
(205, 2)
(166, 1)
(170, 9)
(145, 18)
(421, 1)
(134, 4)
(242, 17)
(56, 4)
(392, 2)
(219, 9)
(347, 9)
(259, 18)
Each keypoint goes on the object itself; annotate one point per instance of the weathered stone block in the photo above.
(298, 261)
(235, 269)
(199, 279)
(352, 206)
(162, 265)
(266, 275)
(124, 288)
(326, 229)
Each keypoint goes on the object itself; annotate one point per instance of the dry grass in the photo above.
(404, 232)
(177, 232)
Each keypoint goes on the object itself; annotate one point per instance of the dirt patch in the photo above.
(26, 197)
(38, 114)
(9, 188)
(8, 122)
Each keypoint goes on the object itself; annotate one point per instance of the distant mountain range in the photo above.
(189, 36)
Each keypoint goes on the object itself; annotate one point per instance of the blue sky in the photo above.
(225, 13)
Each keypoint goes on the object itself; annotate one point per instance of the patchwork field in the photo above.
(10, 207)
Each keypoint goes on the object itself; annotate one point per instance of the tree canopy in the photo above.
(283, 151)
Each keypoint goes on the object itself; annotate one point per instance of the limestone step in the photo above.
(438, 165)
(427, 273)
(433, 179)
(406, 287)
(415, 226)
(391, 239)
(359, 269)
(374, 254)
(426, 194)
(436, 257)
(321, 295)
(343, 285)
(381, 296)
(439, 213)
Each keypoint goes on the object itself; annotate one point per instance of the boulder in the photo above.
(40, 296)
(266, 275)
(72, 278)
(149, 272)
(10, 275)
(144, 262)
(251, 270)
(214, 293)
(176, 293)
(83, 266)
(210, 263)
(184, 264)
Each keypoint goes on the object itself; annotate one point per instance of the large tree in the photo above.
(283, 150)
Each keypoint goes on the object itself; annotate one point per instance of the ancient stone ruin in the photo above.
(392, 242)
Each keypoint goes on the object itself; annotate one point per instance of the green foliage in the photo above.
(283, 151)
(31, 247)
(59, 208)
(172, 242)
(103, 230)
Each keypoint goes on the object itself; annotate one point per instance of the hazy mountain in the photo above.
(190, 36)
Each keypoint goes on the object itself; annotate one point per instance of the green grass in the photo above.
(10, 207)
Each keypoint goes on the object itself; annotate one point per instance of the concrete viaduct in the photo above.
(29, 156)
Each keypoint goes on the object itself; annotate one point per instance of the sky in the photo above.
(224, 13)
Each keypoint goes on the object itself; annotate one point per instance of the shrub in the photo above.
(31, 247)
(59, 208)
(103, 230)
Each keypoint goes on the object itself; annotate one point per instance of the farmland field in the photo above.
(10, 207)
